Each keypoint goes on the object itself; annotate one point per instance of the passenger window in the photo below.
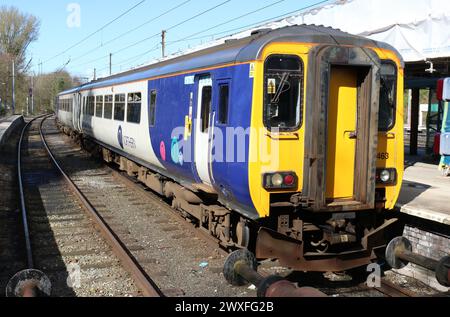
(152, 109)
(134, 108)
(119, 107)
(99, 106)
(388, 100)
(283, 92)
(91, 106)
(84, 105)
(206, 107)
(224, 95)
(108, 107)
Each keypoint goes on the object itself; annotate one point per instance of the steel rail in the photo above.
(24, 213)
(139, 275)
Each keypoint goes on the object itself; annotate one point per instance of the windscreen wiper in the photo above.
(284, 79)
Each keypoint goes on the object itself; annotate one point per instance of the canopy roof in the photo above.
(418, 29)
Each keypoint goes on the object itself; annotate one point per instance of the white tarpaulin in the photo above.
(418, 29)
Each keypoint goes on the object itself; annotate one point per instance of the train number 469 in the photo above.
(383, 156)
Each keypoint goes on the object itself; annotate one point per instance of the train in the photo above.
(288, 142)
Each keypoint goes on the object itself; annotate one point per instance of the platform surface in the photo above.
(5, 124)
(425, 193)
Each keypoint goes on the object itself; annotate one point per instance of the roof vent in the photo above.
(261, 31)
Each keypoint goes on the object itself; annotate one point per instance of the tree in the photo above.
(17, 32)
(48, 86)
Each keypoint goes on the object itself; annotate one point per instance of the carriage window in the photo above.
(90, 105)
(84, 105)
(99, 106)
(283, 92)
(119, 107)
(108, 107)
(152, 109)
(388, 102)
(206, 107)
(134, 108)
(224, 92)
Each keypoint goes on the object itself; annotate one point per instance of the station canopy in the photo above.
(418, 29)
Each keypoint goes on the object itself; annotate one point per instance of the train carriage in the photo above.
(288, 142)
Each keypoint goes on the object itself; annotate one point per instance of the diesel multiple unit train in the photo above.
(288, 142)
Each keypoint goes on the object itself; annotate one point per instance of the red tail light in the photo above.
(280, 180)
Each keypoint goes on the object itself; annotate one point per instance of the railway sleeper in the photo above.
(199, 208)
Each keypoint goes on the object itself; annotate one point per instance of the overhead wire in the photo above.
(95, 32)
(158, 34)
(132, 30)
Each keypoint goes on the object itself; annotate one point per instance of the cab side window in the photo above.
(388, 98)
(283, 81)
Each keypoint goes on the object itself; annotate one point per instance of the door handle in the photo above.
(353, 135)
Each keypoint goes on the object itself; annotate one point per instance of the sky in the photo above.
(78, 35)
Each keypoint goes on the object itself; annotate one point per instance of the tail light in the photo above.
(280, 180)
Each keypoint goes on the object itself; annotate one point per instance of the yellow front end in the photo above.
(274, 151)
(284, 151)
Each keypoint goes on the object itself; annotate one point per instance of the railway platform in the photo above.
(425, 200)
(7, 126)
(425, 193)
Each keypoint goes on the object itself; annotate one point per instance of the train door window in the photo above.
(91, 106)
(84, 105)
(134, 108)
(152, 109)
(388, 100)
(224, 97)
(108, 107)
(119, 107)
(99, 106)
(283, 81)
(206, 107)
(71, 105)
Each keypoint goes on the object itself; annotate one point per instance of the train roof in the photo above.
(236, 51)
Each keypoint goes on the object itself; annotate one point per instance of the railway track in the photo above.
(180, 260)
(140, 218)
(64, 235)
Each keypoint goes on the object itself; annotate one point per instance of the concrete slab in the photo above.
(7, 125)
(425, 193)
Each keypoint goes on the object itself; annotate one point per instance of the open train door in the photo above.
(342, 135)
(203, 130)
(77, 111)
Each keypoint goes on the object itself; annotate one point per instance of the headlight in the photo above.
(277, 180)
(387, 176)
(281, 180)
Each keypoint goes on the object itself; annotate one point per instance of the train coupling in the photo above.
(240, 269)
(29, 283)
(399, 254)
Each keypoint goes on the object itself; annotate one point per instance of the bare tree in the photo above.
(17, 32)
(48, 86)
